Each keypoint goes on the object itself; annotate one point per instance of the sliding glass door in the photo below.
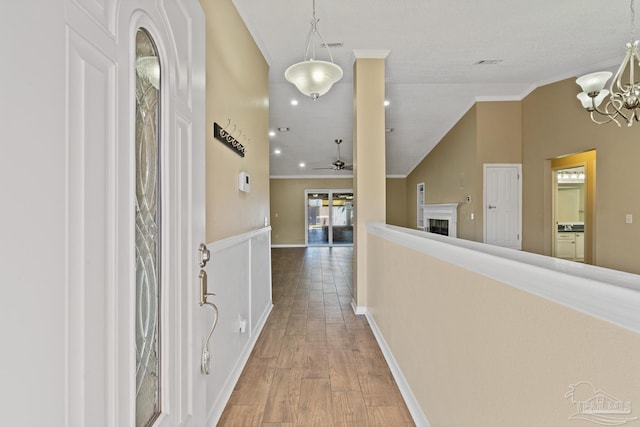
(329, 217)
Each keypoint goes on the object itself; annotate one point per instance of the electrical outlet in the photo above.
(628, 219)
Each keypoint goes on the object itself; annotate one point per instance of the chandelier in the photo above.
(624, 92)
(314, 77)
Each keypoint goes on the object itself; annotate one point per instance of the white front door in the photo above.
(107, 305)
(503, 205)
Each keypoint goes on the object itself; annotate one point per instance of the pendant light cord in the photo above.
(633, 19)
(310, 45)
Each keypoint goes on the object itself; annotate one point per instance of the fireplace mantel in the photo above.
(442, 211)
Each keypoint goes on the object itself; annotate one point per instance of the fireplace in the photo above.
(441, 218)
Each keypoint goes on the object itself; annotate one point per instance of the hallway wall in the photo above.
(287, 200)
(237, 97)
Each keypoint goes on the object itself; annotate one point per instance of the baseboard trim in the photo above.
(216, 411)
(419, 418)
(288, 246)
(358, 310)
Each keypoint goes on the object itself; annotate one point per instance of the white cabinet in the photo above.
(570, 246)
(580, 246)
(566, 246)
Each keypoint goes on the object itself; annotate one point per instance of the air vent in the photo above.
(489, 61)
(334, 44)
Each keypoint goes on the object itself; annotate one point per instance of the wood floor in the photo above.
(316, 362)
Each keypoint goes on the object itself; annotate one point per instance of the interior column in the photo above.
(369, 176)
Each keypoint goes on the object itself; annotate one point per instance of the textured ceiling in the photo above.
(432, 76)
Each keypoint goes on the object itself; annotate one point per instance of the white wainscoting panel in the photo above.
(240, 277)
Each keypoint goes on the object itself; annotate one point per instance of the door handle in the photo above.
(205, 359)
(491, 207)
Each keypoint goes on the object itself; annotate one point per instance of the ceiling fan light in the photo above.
(313, 78)
(593, 83)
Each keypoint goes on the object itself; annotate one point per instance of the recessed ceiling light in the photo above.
(489, 61)
(272, 133)
(294, 102)
(386, 103)
(302, 165)
(277, 151)
(283, 129)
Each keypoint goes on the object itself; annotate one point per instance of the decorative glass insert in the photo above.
(147, 231)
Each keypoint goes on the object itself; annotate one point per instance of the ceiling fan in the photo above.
(338, 165)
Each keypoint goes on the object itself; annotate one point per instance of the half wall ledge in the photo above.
(610, 295)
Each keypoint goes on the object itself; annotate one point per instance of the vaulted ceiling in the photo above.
(433, 75)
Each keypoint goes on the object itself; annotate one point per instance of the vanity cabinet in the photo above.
(579, 246)
(570, 246)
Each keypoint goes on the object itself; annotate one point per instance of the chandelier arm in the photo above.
(611, 119)
(617, 78)
(617, 104)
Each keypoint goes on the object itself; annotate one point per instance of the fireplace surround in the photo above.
(435, 216)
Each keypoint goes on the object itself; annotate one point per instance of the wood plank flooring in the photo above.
(316, 363)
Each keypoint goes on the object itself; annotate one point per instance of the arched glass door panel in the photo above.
(147, 234)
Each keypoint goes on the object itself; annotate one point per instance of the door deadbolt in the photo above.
(205, 255)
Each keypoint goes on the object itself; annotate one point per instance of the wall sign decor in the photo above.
(222, 135)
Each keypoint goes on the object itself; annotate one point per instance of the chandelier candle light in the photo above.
(624, 98)
(314, 77)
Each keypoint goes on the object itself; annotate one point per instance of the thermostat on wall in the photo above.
(244, 182)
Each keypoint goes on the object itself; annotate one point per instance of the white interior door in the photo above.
(503, 205)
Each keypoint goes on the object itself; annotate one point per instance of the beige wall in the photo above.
(287, 201)
(547, 124)
(449, 174)
(288, 205)
(490, 132)
(237, 90)
(477, 352)
(499, 138)
(554, 124)
(397, 201)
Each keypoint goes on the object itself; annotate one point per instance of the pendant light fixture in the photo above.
(314, 77)
(624, 91)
